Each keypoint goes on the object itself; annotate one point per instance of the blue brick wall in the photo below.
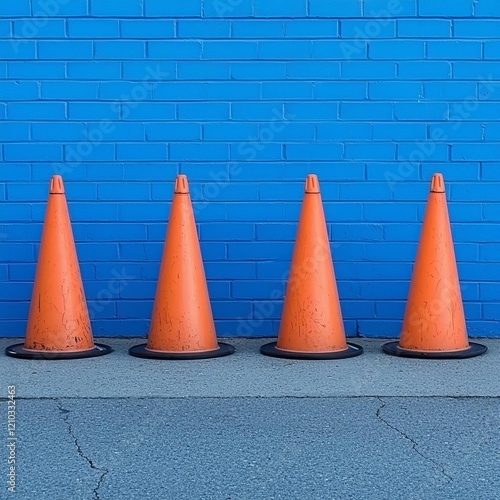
(247, 97)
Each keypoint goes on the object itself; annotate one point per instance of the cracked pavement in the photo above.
(251, 427)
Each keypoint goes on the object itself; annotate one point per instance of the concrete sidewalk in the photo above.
(249, 427)
(249, 374)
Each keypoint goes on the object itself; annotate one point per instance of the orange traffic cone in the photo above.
(182, 326)
(311, 325)
(59, 324)
(434, 324)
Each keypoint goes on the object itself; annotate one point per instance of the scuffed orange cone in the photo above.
(182, 326)
(59, 324)
(434, 324)
(311, 325)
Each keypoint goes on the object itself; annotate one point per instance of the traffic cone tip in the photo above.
(312, 184)
(437, 183)
(181, 185)
(57, 185)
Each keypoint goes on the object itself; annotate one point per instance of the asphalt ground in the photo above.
(251, 427)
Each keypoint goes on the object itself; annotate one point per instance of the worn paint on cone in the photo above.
(59, 324)
(182, 325)
(434, 325)
(311, 325)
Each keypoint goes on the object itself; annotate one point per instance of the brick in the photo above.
(69, 90)
(109, 8)
(46, 8)
(476, 28)
(116, 49)
(400, 131)
(38, 70)
(316, 151)
(386, 9)
(449, 91)
(173, 131)
(340, 8)
(65, 50)
(32, 152)
(19, 91)
(486, 8)
(396, 49)
(250, 28)
(424, 70)
(287, 90)
(312, 111)
(36, 111)
(17, 49)
(340, 90)
(358, 70)
(299, 28)
(156, 71)
(203, 70)
(456, 49)
(292, 8)
(22, 8)
(204, 111)
(259, 70)
(62, 131)
(224, 9)
(429, 28)
(187, 8)
(201, 151)
(189, 28)
(344, 131)
(287, 49)
(94, 70)
(475, 152)
(366, 111)
(395, 91)
(312, 70)
(87, 28)
(363, 29)
(229, 50)
(140, 151)
(50, 28)
(374, 151)
(421, 111)
(445, 8)
(174, 50)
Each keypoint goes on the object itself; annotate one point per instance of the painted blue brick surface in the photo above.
(247, 97)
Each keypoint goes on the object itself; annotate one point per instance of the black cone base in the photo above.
(271, 350)
(140, 351)
(18, 351)
(474, 349)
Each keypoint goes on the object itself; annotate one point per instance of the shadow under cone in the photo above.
(311, 325)
(59, 324)
(182, 325)
(434, 324)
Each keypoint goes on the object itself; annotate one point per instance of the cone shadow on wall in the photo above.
(59, 323)
(182, 325)
(311, 325)
(434, 323)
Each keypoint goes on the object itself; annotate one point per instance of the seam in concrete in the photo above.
(147, 398)
(414, 443)
(103, 471)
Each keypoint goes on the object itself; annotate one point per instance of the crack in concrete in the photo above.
(103, 471)
(410, 439)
